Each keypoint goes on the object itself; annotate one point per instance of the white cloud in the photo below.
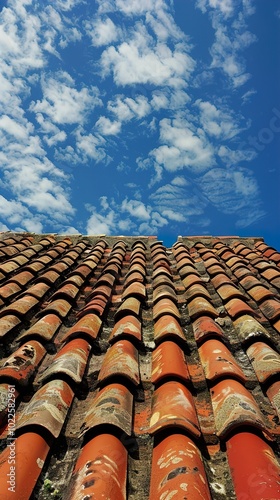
(102, 32)
(219, 123)
(141, 60)
(184, 147)
(230, 157)
(62, 102)
(108, 127)
(126, 108)
(226, 7)
(136, 209)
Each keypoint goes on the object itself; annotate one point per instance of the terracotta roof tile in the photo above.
(44, 328)
(8, 323)
(163, 307)
(128, 326)
(88, 326)
(163, 368)
(238, 307)
(178, 470)
(201, 307)
(48, 407)
(234, 406)
(173, 406)
(257, 459)
(265, 361)
(135, 341)
(120, 360)
(205, 327)
(28, 471)
(71, 361)
(100, 469)
(60, 307)
(23, 363)
(167, 327)
(113, 406)
(249, 328)
(218, 362)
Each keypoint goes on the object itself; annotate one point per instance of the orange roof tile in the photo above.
(150, 372)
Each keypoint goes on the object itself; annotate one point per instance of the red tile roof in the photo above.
(136, 371)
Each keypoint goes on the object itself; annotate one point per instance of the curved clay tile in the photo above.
(248, 327)
(48, 407)
(128, 326)
(254, 468)
(31, 451)
(38, 290)
(273, 394)
(88, 326)
(192, 279)
(23, 363)
(71, 360)
(265, 361)
(260, 293)
(197, 290)
(168, 360)
(121, 359)
(100, 471)
(8, 323)
(218, 362)
(164, 291)
(129, 306)
(178, 470)
(44, 328)
(9, 290)
(229, 291)
(20, 307)
(5, 393)
(204, 327)
(136, 289)
(173, 407)
(234, 406)
(165, 306)
(201, 307)
(271, 309)
(112, 405)
(167, 327)
(22, 278)
(60, 307)
(68, 291)
(238, 307)
(133, 277)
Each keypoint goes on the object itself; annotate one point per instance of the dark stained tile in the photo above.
(48, 407)
(71, 361)
(23, 363)
(233, 407)
(113, 406)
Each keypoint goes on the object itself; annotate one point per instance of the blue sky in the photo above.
(151, 117)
